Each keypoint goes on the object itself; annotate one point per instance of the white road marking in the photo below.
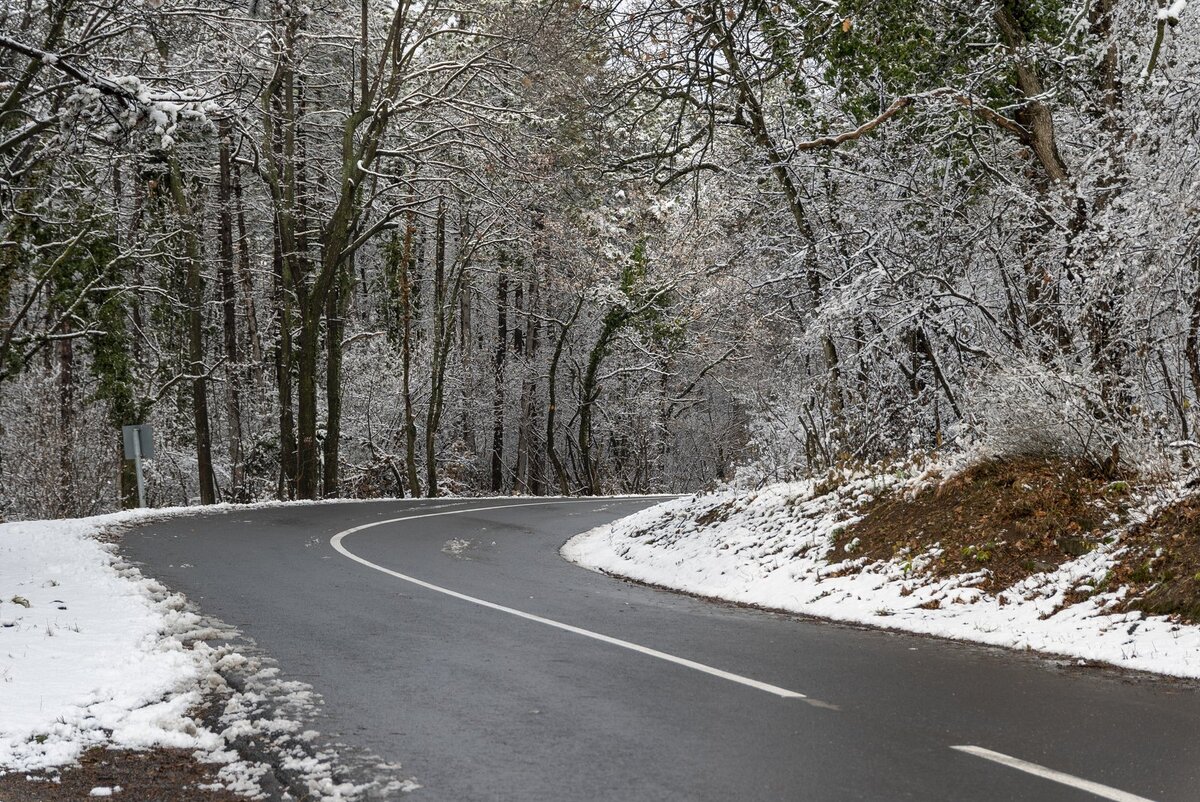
(1102, 791)
(336, 542)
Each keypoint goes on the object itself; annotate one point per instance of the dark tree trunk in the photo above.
(466, 354)
(311, 303)
(308, 349)
(246, 279)
(233, 367)
(283, 379)
(560, 471)
(498, 399)
(66, 419)
(124, 413)
(437, 367)
(406, 310)
(526, 473)
(335, 327)
(195, 335)
(614, 320)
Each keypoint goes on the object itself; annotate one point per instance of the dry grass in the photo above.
(1161, 563)
(161, 775)
(1013, 518)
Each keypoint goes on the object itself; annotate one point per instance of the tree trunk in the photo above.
(283, 377)
(195, 336)
(498, 365)
(66, 419)
(335, 326)
(437, 368)
(233, 367)
(406, 308)
(1033, 115)
(289, 263)
(307, 453)
(1038, 134)
(588, 394)
(246, 279)
(526, 475)
(311, 303)
(560, 471)
(1110, 353)
(466, 354)
(122, 409)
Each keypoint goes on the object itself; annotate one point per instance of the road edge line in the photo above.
(1095, 788)
(336, 543)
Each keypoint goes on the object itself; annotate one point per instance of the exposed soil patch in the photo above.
(1012, 518)
(1161, 563)
(162, 775)
(717, 514)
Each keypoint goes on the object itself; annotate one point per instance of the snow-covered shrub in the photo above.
(50, 465)
(1026, 408)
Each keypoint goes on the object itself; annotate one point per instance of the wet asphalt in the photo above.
(478, 704)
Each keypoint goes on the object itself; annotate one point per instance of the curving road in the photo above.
(450, 637)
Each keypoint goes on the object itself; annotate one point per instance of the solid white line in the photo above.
(336, 542)
(1102, 791)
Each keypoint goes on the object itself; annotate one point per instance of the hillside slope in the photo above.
(1020, 554)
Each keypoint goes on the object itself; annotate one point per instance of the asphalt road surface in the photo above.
(461, 645)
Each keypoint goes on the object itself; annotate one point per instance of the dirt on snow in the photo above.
(156, 775)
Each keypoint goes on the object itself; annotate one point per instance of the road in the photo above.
(459, 644)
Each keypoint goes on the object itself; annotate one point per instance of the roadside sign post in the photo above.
(139, 445)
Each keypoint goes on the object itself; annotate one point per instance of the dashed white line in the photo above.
(336, 542)
(1102, 791)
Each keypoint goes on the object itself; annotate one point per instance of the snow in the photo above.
(773, 548)
(93, 653)
(1172, 12)
(90, 654)
(457, 547)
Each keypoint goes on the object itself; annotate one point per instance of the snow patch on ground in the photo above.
(94, 657)
(457, 547)
(774, 548)
(93, 653)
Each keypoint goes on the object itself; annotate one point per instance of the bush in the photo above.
(1028, 409)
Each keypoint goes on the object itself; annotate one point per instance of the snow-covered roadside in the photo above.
(93, 653)
(88, 648)
(774, 548)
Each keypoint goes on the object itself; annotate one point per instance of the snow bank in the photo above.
(93, 653)
(774, 548)
(89, 650)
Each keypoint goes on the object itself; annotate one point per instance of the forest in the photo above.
(415, 247)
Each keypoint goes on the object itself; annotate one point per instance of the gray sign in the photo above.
(139, 441)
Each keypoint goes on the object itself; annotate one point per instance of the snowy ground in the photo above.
(774, 548)
(87, 648)
(93, 653)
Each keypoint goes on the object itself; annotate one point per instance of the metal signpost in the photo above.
(139, 445)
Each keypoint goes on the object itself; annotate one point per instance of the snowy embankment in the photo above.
(775, 548)
(92, 653)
